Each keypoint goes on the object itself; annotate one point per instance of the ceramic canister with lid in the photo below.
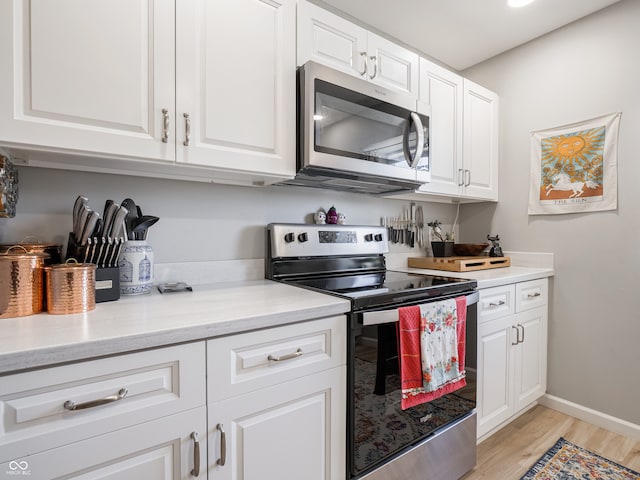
(21, 282)
(136, 267)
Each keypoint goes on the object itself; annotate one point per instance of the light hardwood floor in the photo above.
(509, 453)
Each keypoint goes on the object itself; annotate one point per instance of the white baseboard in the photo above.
(594, 417)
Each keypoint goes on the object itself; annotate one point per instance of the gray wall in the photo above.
(584, 70)
(198, 221)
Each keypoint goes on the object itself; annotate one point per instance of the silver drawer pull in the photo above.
(533, 295)
(497, 304)
(69, 405)
(187, 129)
(289, 356)
(223, 446)
(195, 472)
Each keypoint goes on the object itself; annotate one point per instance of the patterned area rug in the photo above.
(566, 461)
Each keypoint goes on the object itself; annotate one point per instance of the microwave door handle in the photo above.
(391, 316)
(412, 160)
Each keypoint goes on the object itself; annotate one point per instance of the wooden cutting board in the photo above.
(459, 264)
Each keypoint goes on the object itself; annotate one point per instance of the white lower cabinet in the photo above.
(279, 399)
(267, 404)
(163, 449)
(287, 432)
(512, 351)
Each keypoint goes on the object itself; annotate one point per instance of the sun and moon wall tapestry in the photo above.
(574, 167)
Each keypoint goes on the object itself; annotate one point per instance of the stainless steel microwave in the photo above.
(357, 136)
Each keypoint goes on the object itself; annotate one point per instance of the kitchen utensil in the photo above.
(70, 287)
(21, 277)
(132, 208)
(88, 227)
(420, 225)
(142, 225)
(80, 200)
(110, 209)
(120, 216)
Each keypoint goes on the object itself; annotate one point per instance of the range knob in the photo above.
(303, 237)
(368, 237)
(289, 237)
(378, 237)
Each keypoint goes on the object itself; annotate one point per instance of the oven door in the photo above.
(378, 429)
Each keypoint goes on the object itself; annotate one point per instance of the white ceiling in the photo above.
(461, 33)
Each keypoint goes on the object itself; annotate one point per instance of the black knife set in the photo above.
(99, 240)
(96, 239)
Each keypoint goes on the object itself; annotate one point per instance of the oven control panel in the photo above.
(304, 240)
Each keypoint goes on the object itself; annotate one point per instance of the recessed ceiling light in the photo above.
(518, 3)
(318, 117)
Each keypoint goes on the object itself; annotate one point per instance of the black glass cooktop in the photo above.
(386, 288)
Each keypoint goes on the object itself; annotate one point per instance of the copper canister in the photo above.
(21, 282)
(71, 287)
(54, 250)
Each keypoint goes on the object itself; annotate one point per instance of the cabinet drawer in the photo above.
(242, 363)
(531, 294)
(496, 302)
(50, 407)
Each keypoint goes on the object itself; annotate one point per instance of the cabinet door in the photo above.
(530, 380)
(289, 431)
(161, 450)
(392, 66)
(495, 381)
(442, 90)
(330, 40)
(236, 83)
(88, 76)
(480, 153)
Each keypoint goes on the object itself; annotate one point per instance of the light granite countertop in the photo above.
(237, 302)
(154, 320)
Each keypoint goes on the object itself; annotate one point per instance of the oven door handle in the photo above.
(391, 316)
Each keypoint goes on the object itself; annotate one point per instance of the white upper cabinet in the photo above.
(236, 85)
(442, 90)
(463, 135)
(480, 151)
(201, 89)
(333, 41)
(87, 75)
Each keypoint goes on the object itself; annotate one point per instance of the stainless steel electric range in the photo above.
(431, 441)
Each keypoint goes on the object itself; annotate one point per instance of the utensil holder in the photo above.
(442, 249)
(136, 268)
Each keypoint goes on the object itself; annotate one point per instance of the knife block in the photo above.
(107, 278)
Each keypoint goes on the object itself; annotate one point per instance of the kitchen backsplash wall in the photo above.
(198, 221)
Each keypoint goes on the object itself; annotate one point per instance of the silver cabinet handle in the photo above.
(289, 356)
(467, 174)
(533, 295)
(517, 335)
(187, 129)
(364, 64)
(520, 340)
(165, 125)
(195, 472)
(460, 177)
(69, 405)
(497, 304)
(223, 446)
(375, 67)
